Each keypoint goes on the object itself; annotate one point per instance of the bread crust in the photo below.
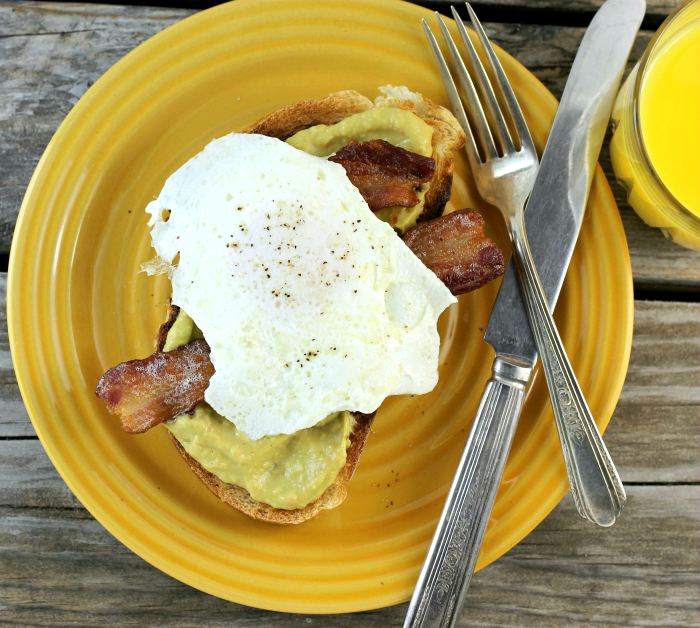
(447, 133)
(240, 499)
(296, 117)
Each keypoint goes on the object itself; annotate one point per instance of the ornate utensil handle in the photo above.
(595, 483)
(447, 571)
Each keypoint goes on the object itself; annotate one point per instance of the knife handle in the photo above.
(595, 484)
(447, 570)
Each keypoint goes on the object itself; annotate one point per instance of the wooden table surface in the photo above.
(59, 567)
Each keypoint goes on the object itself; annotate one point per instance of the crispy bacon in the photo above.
(146, 392)
(378, 196)
(456, 249)
(386, 175)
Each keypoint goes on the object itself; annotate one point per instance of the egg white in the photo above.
(309, 303)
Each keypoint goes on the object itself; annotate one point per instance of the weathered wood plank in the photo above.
(51, 52)
(645, 451)
(60, 568)
(665, 361)
(562, 12)
(655, 443)
(28, 478)
(49, 55)
(641, 572)
(14, 420)
(654, 434)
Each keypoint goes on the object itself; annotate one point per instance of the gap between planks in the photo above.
(654, 434)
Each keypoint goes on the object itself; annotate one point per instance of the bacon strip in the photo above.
(146, 392)
(386, 175)
(456, 249)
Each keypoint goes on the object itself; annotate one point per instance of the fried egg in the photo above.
(310, 304)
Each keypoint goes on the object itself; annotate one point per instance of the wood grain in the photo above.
(654, 435)
(54, 557)
(50, 53)
(14, 420)
(59, 567)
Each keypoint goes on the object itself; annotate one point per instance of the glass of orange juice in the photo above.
(655, 149)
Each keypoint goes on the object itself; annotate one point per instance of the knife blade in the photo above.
(556, 206)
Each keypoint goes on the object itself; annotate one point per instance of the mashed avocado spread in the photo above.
(285, 471)
(291, 471)
(396, 126)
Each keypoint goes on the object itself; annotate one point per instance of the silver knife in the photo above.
(553, 215)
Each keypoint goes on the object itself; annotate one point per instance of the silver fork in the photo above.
(505, 181)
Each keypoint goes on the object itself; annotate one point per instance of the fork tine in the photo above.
(453, 96)
(511, 102)
(473, 102)
(485, 84)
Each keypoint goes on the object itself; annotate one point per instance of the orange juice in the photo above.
(669, 112)
(655, 149)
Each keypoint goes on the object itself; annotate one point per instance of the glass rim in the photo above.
(643, 64)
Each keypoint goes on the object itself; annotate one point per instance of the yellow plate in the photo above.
(78, 306)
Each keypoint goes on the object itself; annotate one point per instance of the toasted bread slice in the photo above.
(282, 124)
(447, 133)
(240, 499)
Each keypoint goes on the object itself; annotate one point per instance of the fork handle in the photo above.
(447, 571)
(595, 483)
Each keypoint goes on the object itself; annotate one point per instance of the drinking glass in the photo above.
(647, 179)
